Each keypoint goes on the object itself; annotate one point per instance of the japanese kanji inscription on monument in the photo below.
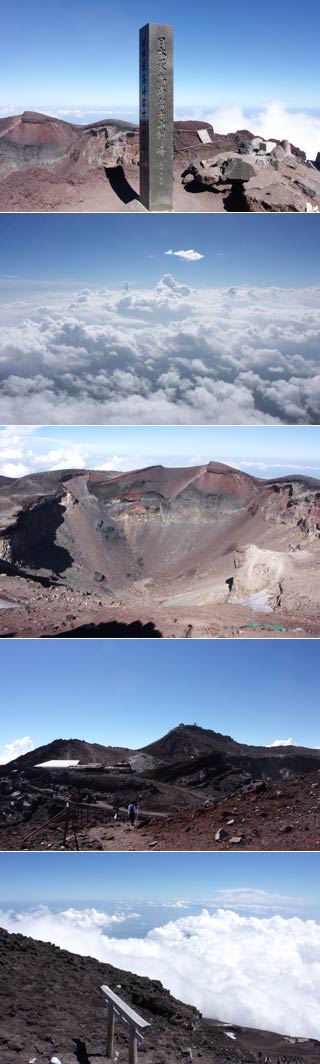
(156, 116)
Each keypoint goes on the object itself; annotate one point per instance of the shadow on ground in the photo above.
(112, 630)
(120, 185)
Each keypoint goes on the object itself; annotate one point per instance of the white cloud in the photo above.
(189, 256)
(257, 900)
(272, 119)
(180, 904)
(167, 355)
(88, 918)
(240, 969)
(15, 749)
(281, 742)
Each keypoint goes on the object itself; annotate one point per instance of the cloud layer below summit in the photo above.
(167, 355)
(252, 970)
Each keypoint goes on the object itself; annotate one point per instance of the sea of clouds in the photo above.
(251, 970)
(167, 355)
(274, 118)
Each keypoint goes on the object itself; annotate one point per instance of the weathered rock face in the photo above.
(158, 536)
(284, 184)
(31, 141)
(272, 181)
(255, 571)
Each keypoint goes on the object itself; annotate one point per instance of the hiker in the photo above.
(132, 813)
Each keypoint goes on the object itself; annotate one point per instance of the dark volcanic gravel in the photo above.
(52, 1005)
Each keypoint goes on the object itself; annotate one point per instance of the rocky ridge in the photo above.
(50, 164)
(185, 785)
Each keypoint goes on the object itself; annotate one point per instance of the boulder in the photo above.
(222, 169)
(277, 180)
(283, 184)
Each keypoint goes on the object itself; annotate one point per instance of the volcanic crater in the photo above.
(202, 551)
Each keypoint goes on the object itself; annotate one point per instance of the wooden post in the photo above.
(133, 1046)
(110, 1030)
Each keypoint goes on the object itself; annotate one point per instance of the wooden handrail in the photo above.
(118, 1008)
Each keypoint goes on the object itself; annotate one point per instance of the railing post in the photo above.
(133, 1047)
(110, 1030)
(66, 822)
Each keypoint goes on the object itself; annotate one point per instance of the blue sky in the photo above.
(182, 684)
(76, 55)
(159, 877)
(186, 319)
(261, 450)
(186, 920)
(279, 250)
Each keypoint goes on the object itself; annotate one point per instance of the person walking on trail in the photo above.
(132, 813)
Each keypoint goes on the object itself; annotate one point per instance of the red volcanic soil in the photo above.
(47, 164)
(282, 815)
(50, 165)
(186, 552)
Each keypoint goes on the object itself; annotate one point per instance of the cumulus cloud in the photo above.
(167, 355)
(89, 918)
(188, 256)
(260, 972)
(15, 749)
(272, 119)
(281, 742)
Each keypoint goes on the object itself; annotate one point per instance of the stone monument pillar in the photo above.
(156, 117)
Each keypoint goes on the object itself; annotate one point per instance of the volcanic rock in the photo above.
(60, 1005)
(168, 542)
(222, 169)
(48, 164)
(204, 788)
(273, 182)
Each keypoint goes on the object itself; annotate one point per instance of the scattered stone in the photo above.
(236, 840)
(221, 834)
(257, 787)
